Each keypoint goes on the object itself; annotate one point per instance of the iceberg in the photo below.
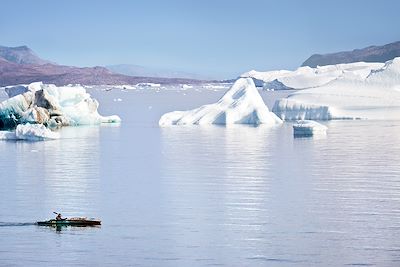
(148, 85)
(374, 96)
(52, 106)
(241, 104)
(30, 132)
(308, 128)
(306, 77)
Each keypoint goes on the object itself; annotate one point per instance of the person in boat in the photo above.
(59, 217)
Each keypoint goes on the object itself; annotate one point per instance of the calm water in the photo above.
(202, 196)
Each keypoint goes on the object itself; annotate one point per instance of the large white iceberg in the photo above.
(375, 96)
(30, 132)
(241, 104)
(50, 105)
(306, 77)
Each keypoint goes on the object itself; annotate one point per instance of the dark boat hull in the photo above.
(69, 223)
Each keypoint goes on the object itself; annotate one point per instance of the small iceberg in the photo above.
(148, 85)
(52, 106)
(308, 128)
(241, 104)
(29, 132)
(186, 86)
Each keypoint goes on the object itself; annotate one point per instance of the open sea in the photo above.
(202, 195)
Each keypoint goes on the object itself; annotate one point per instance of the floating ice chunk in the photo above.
(8, 135)
(30, 132)
(35, 132)
(241, 104)
(216, 86)
(148, 85)
(110, 119)
(124, 87)
(186, 86)
(52, 106)
(308, 128)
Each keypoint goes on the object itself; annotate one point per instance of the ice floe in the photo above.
(241, 104)
(50, 105)
(148, 85)
(30, 132)
(308, 128)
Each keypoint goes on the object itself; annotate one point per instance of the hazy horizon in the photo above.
(216, 39)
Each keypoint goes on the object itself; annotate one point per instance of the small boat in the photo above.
(78, 221)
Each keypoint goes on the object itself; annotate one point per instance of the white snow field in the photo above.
(30, 132)
(308, 128)
(50, 105)
(241, 104)
(374, 96)
(306, 77)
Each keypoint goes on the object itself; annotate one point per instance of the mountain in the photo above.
(21, 55)
(136, 70)
(12, 73)
(369, 54)
(20, 65)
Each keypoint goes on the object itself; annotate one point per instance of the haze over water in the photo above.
(199, 196)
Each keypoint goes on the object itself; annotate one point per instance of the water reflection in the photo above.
(65, 173)
(247, 158)
(59, 228)
(260, 193)
(229, 188)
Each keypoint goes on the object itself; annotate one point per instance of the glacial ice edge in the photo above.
(360, 92)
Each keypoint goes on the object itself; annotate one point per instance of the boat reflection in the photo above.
(60, 228)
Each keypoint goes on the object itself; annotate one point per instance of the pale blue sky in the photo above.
(216, 38)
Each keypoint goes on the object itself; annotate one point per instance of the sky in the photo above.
(218, 39)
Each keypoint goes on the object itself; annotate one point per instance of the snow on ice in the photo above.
(241, 104)
(30, 132)
(373, 96)
(50, 105)
(306, 77)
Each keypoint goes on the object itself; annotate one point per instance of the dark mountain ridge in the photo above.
(20, 65)
(381, 53)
